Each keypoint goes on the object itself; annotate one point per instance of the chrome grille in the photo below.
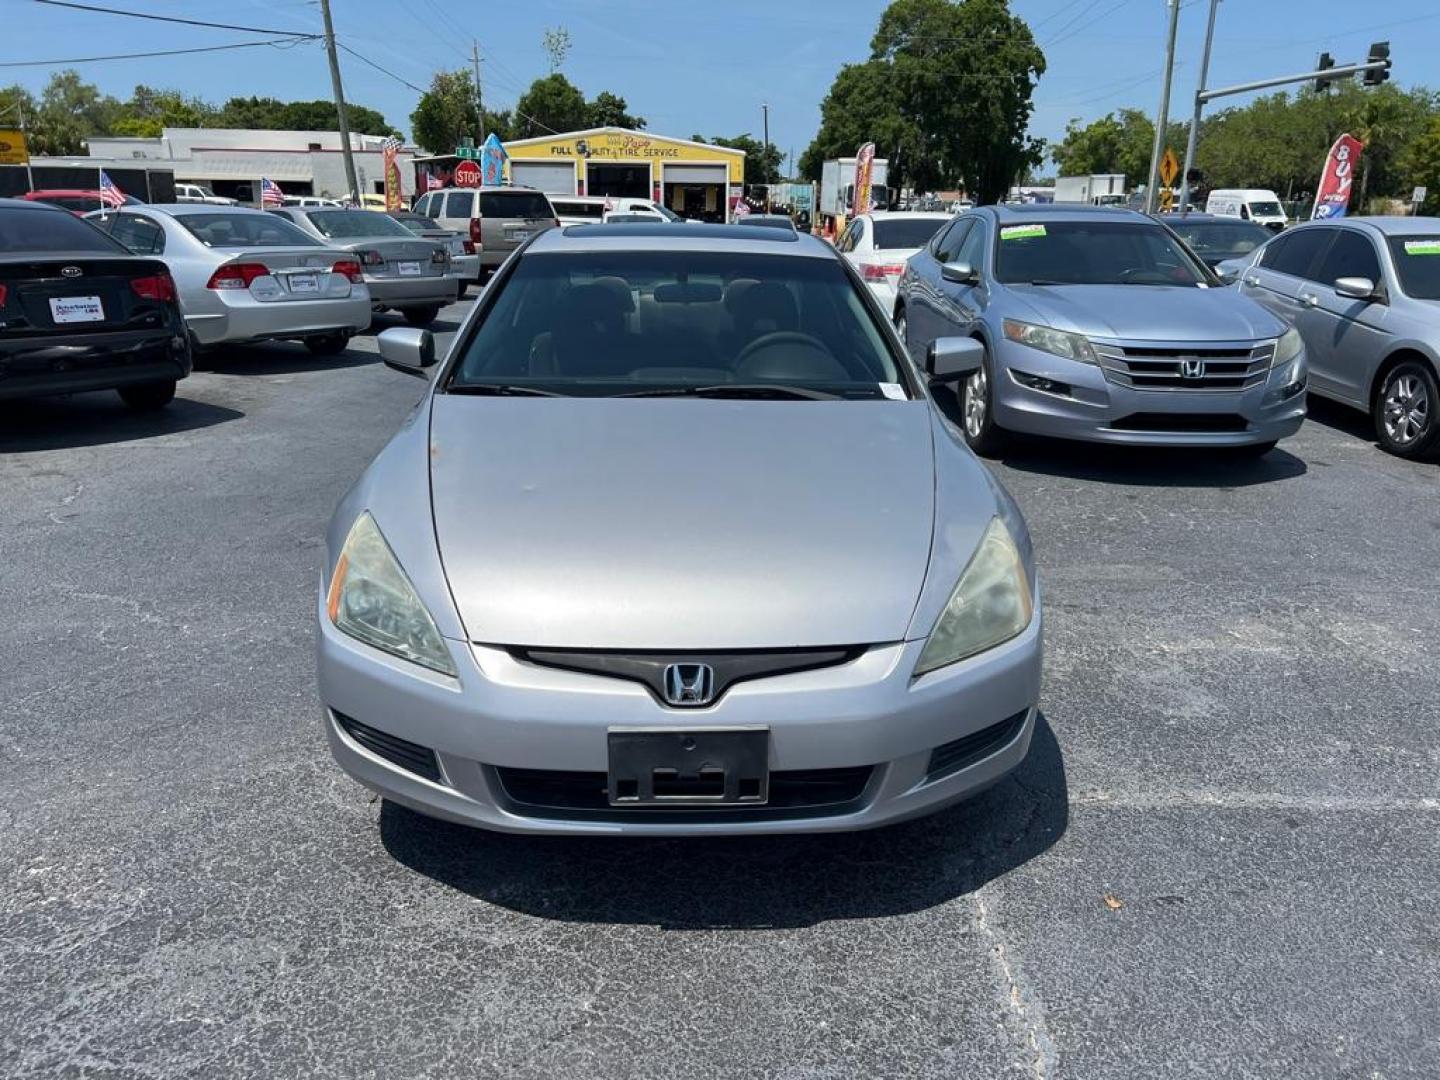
(1182, 368)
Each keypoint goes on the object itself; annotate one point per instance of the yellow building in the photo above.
(694, 179)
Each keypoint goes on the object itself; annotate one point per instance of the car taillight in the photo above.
(351, 269)
(370, 258)
(475, 235)
(236, 275)
(3, 290)
(155, 287)
(880, 271)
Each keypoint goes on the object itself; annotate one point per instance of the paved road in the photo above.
(1240, 752)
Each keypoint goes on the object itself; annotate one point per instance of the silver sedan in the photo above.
(677, 543)
(403, 272)
(244, 275)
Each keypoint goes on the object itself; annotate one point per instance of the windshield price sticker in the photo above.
(893, 391)
(1021, 232)
(1422, 247)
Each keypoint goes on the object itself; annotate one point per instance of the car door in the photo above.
(1276, 278)
(924, 297)
(960, 305)
(140, 235)
(1344, 337)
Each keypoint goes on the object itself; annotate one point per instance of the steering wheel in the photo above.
(799, 356)
(1140, 275)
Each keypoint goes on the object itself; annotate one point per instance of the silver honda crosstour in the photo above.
(677, 542)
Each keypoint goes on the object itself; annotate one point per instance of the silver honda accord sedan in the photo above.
(677, 543)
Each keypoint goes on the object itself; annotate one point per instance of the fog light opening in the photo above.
(1039, 382)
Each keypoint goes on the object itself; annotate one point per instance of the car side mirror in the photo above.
(408, 350)
(1356, 288)
(1228, 276)
(961, 273)
(950, 359)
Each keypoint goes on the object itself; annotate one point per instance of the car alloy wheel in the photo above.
(1406, 408)
(977, 403)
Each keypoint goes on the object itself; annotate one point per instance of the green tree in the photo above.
(70, 111)
(762, 164)
(1119, 142)
(552, 104)
(610, 110)
(149, 111)
(556, 43)
(945, 96)
(446, 113)
(1419, 164)
(271, 114)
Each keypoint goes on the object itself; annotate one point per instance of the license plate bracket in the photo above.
(409, 269)
(304, 283)
(76, 309)
(669, 767)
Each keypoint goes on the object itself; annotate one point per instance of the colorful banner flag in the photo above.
(394, 189)
(433, 182)
(492, 161)
(1332, 198)
(864, 170)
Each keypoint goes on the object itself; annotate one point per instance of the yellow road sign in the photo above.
(1169, 168)
(12, 147)
(1167, 200)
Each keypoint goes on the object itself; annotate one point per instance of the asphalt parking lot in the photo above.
(1220, 859)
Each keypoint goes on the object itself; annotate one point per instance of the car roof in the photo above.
(193, 209)
(694, 238)
(896, 215)
(1199, 218)
(32, 204)
(1394, 226)
(1012, 215)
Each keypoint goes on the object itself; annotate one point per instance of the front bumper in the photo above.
(503, 714)
(1092, 408)
(100, 361)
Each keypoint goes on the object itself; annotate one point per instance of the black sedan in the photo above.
(79, 312)
(1215, 238)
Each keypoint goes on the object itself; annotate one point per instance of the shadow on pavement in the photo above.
(98, 418)
(1140, 466)
(750, 882)
(277, 358)
(1341, 418)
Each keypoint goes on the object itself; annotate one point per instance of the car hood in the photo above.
(1150, 312)
(607, 523)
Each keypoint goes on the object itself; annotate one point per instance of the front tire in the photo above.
(1404, 410)
(147, 397)
(421, 316)
(977, 413)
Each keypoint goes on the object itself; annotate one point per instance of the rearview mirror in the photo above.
(1355, 288)
(961, 273)
(408, 350)
(949, 359)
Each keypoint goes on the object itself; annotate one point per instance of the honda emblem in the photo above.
(689, 684)
(1192, 367)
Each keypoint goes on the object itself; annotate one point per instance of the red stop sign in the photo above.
(467, 174)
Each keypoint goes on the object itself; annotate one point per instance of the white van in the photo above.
(1249, 204)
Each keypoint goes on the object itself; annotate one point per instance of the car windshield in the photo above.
(672, 323)
(906, 232)
(1268, 208)
(1094, 253)
(355, 223)
(244, 229)
(1417, 263)
(514, 204)
(49, 230)
(1216, 240)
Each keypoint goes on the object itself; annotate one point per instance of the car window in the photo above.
(244, 229)
(938, 241)
(27, 229)
(1218, 240)
(905, 232)
(1297, 253)
(421, 205)
(846, 243)
(950, 245)
(140, 235)
(460, 204)
(344, 224)
(972, 248)
(618, 323)
(415, 221)
(1095, 253)
(857, 233)
(1417, 265)
(1352, 255)
(286, 214)
(514, 204)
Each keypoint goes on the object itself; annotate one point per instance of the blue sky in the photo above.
(703, 67)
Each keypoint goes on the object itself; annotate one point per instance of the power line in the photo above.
(384, 71)
(279, 43)
(170, 18)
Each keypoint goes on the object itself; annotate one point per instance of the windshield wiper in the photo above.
(1047, 281)
(501, 390)
(740, 390)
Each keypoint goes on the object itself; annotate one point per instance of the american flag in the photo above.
(110, 195)
(270, 193)
(433, 182)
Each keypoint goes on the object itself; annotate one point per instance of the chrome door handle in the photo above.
(1252, 281)
(1310, 299)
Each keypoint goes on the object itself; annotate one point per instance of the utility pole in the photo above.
(339, 101)
(479, 109)
(1199, 104)
(1162, 121)
(765, 157)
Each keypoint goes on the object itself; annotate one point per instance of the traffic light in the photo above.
(1380, 50)
(1325, 63)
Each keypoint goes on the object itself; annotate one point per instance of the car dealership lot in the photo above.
(1219, 859)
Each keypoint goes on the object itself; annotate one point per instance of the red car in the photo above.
(79, 201)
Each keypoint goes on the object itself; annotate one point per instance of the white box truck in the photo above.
(1098, 189)
(837, 186)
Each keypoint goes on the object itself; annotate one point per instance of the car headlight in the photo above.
(990, 605)
(1047, 339)
(1288, 347)
(371, 599)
